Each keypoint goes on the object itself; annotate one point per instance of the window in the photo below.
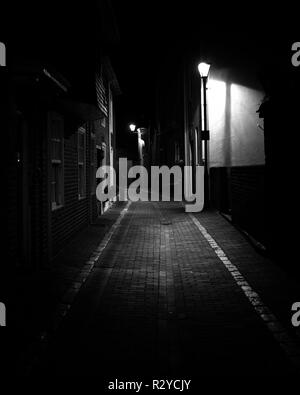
(2, 54)
(57, 152)
(101, 154)
(177, 152)
(103, 122)
(81, 162)
(100, 158)
(93, 164)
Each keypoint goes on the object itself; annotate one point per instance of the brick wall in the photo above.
(38, 188)
(248, 199)
(46, 231)
(240, 192)
(12, 191)
(220, 195)
(74, 214)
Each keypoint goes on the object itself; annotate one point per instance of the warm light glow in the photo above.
(203, 69)
(232, 124)
(132, 127)
(216, 95)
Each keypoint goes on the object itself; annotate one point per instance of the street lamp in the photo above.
(203, 69)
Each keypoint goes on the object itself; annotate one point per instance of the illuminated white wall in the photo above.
(235, 138)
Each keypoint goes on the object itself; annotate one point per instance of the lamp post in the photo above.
(203, 69)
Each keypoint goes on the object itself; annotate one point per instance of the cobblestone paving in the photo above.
(159, 303)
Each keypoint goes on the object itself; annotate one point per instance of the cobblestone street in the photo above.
(180, 295)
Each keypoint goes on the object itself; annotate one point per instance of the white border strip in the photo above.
(286, 342)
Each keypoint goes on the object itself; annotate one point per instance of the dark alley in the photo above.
(150, 192)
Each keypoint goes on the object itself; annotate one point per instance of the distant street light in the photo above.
(203, 69)
(132, 127)
(140, 142)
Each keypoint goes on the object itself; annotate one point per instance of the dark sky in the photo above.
(154, 33)
(157, 34)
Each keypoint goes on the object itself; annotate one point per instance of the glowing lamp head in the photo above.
(132, 127)
(203, 69)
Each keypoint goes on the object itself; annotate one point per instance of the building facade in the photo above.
(235, 147)
(62, 128)
(235, 155)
